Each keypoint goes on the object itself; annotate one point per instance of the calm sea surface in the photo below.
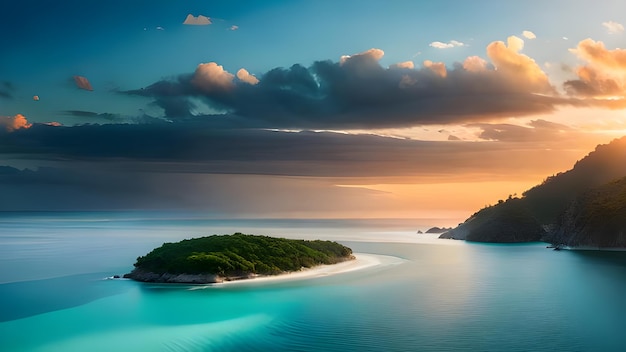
(426, 295)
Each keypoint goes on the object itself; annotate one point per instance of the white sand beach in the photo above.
(361, 261)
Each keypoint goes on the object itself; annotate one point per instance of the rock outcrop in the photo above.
(140, 275)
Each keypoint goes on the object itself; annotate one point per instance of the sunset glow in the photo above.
(373, 112)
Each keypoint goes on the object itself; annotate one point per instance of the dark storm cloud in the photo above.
(176, 106)
(91, 114)
(210, 163)
(178, 86)
(206, 147)
(358, 92)
(537, 131)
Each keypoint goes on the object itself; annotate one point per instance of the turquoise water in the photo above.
(442, 296)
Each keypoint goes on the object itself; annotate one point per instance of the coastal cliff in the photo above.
(508, 222)
(233, 257)
(595, 219)
(563, 210)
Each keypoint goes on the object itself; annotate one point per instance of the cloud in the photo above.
(91, 114)
(205, 147)
(406, 64)
(613, 27)
(448, 45)
(371, 55)
(211, 77)
(604, 74)
(438, 68)
(507, 60)
(356, 92)
(233, 28)
(10, 124)
(245, 76)
(178, 107)
(20, 122)
(475, 64)
(82, 83)
(529, 35)
(537, 131)
(197, 21)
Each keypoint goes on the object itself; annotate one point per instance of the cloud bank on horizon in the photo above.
(205, 97)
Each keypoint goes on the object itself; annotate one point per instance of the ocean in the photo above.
(425, 295)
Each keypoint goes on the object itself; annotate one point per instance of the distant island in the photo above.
(582, 207)
(221, 258)
(438, 229)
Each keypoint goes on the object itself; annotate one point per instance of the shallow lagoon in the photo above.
(429, 295)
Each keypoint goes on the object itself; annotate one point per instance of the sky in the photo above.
(301, 108)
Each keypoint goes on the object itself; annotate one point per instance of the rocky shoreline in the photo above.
(144, 276)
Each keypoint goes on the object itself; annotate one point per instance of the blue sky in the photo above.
(117, 45)
(546, 76)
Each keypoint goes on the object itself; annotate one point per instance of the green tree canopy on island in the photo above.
(237, 254)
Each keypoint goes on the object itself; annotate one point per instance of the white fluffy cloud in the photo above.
(604, 74)
(211, 77)
(450, 44)
(509, 61)
(197, 21)
(439, 68)
(245, 76)
(613, 27)
(475, 64)
(529, 35)
(373, 53)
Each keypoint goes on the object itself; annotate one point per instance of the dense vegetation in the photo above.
(539, 213)
(605, 164)
(239, 254)
(597, 218)
(510, 217)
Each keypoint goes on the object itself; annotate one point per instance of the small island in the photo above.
(438, 229)
(220, 258)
